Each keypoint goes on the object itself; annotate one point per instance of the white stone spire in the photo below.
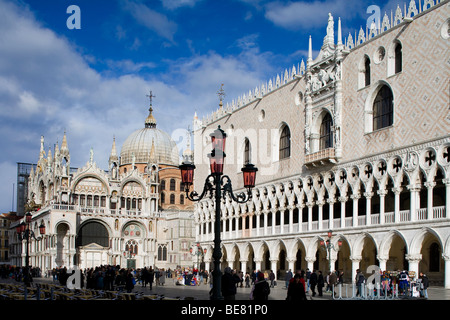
(339, 38)
(310, 49)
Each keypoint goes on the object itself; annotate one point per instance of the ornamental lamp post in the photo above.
(217, 185)
(328, 246)
(24, 232)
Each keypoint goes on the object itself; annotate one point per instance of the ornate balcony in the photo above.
(320, 157)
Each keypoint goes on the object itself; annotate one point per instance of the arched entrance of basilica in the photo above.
(92, 243)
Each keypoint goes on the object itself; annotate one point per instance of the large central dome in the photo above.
(149, 145)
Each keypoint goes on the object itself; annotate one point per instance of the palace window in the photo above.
(383, 109)
(398, 58)
(172, 184)
(285, 143)
(326, 134)
(163, 184)
(172, 199)
(367, 72)
(247, 152)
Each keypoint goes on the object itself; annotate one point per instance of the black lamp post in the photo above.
(24, 232)
(327, 245)
(217, 185)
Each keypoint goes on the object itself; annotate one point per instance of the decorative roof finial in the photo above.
(221, 94)
(150, 122)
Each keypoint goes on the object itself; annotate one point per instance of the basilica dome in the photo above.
(149, 145)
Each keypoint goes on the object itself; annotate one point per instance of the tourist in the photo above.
(261, 289)
(296, 289)
(272, 279)
(320, 283)
(360, 280)
(308, 275)
(288, 278)
(228, 287)
(332, 282)
(129, 283)
(424, 285)
(313, 282)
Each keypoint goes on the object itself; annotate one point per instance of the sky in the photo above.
(92, 82)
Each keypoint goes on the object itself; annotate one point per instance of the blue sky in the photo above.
(92, 82)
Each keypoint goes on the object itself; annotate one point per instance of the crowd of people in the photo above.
(298, 285)
(405, 283)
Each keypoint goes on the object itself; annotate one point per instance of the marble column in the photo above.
(368, 196)
(382, 193)
(446, 258)
(310, 206)
(355, 198)
(273, 267)
(413, 260)
(430, 186)
(397, 192)
(343, 200)
(331, 213)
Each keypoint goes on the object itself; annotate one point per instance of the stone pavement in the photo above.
(201, 292)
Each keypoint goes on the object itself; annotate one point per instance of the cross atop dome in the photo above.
(151, 96)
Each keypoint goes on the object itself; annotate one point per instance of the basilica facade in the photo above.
(356, 142)
(133, 214)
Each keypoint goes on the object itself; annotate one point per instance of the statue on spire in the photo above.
(329, 38)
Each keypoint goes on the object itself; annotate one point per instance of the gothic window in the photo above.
(383, 109)
(172, 199)
(367, 72)
(247, 151)
(163, 184)
(398, 58)
(162, 253)
(285, 143)
(172, 184)
(326, 135)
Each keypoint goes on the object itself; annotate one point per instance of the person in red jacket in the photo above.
(296, 289)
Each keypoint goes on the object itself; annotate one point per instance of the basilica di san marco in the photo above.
(132, 215)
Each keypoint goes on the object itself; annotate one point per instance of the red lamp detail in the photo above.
(249, 175)
(330, 234)
(42, 229)
(218, 139)
(187, 173)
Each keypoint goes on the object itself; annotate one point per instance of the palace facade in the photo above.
(357, 141)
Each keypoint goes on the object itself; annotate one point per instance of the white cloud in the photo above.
(151, 19)
(309, 15)
(47, 87)
(175, 4)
